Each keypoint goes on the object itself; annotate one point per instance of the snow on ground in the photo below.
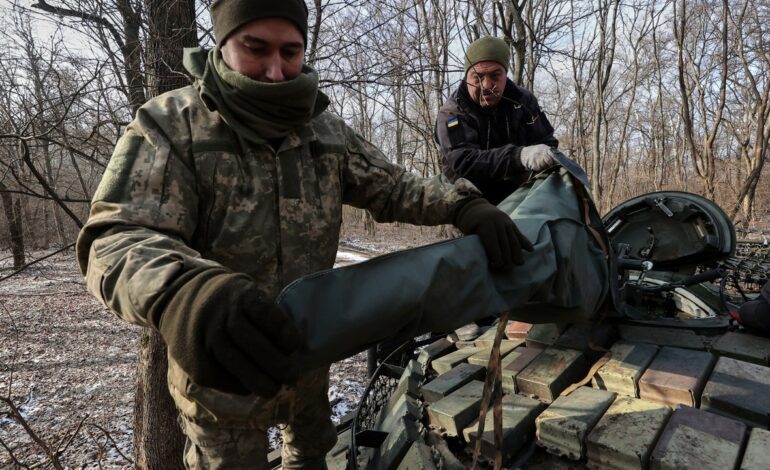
(68, 364)
(345, 257)
(64, 360)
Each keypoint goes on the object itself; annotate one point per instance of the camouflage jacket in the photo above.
(182, 192)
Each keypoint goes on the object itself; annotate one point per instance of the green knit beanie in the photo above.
(229, 15)
(487, 48)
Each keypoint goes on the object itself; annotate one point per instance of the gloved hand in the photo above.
(755, 314)
(501, 239)
(537, 157)
(224, 336)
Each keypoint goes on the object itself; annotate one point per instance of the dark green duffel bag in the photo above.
(443, 286)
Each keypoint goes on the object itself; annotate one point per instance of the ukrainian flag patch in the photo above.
(453, 122)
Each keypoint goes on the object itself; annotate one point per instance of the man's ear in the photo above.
(225, 50)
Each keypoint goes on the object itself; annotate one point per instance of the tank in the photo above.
(664, 378)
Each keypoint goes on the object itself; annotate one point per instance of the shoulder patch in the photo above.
(455, 132)
(117, 179)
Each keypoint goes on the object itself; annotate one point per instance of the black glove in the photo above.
(501, 239)
(755, 314)
(225, 336)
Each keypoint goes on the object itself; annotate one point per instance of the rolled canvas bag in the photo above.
(439, 287)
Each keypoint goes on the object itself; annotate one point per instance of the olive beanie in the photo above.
(229, 15)
(487, 48)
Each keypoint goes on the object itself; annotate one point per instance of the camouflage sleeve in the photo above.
(392, 194)
(136, 242)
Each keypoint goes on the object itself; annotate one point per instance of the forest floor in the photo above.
(69, 366)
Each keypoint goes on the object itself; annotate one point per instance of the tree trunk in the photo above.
(516, 36)
(132, 54)
(49, 173)
(170, 28)
(158, 439)
(312, 48)
(12, 211)
(688, 71)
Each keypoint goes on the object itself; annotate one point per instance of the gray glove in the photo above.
(537, 157)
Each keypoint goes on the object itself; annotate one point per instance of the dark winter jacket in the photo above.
(483, 145)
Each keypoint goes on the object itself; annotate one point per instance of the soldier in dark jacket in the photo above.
(491, 131)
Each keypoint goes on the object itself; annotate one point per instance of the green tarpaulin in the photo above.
(437, 288)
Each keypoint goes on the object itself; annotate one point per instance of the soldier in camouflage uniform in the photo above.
(220, 194)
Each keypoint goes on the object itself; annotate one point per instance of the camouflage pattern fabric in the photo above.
(229, 431)
(183, 192)
(216, 447)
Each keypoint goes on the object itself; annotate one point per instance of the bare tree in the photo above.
(637, 27)
(751, 127)
(158, 440)
(110, 25)
(701, 64)
(12, 212)
(606, 18)
(43, 98)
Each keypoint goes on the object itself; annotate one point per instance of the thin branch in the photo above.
(43, 196)
(13, 457)
(114, 444)
(42, 5)
(42, 180)
(72, 436)
(15, 348)
(36, 261)
(17, 416)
